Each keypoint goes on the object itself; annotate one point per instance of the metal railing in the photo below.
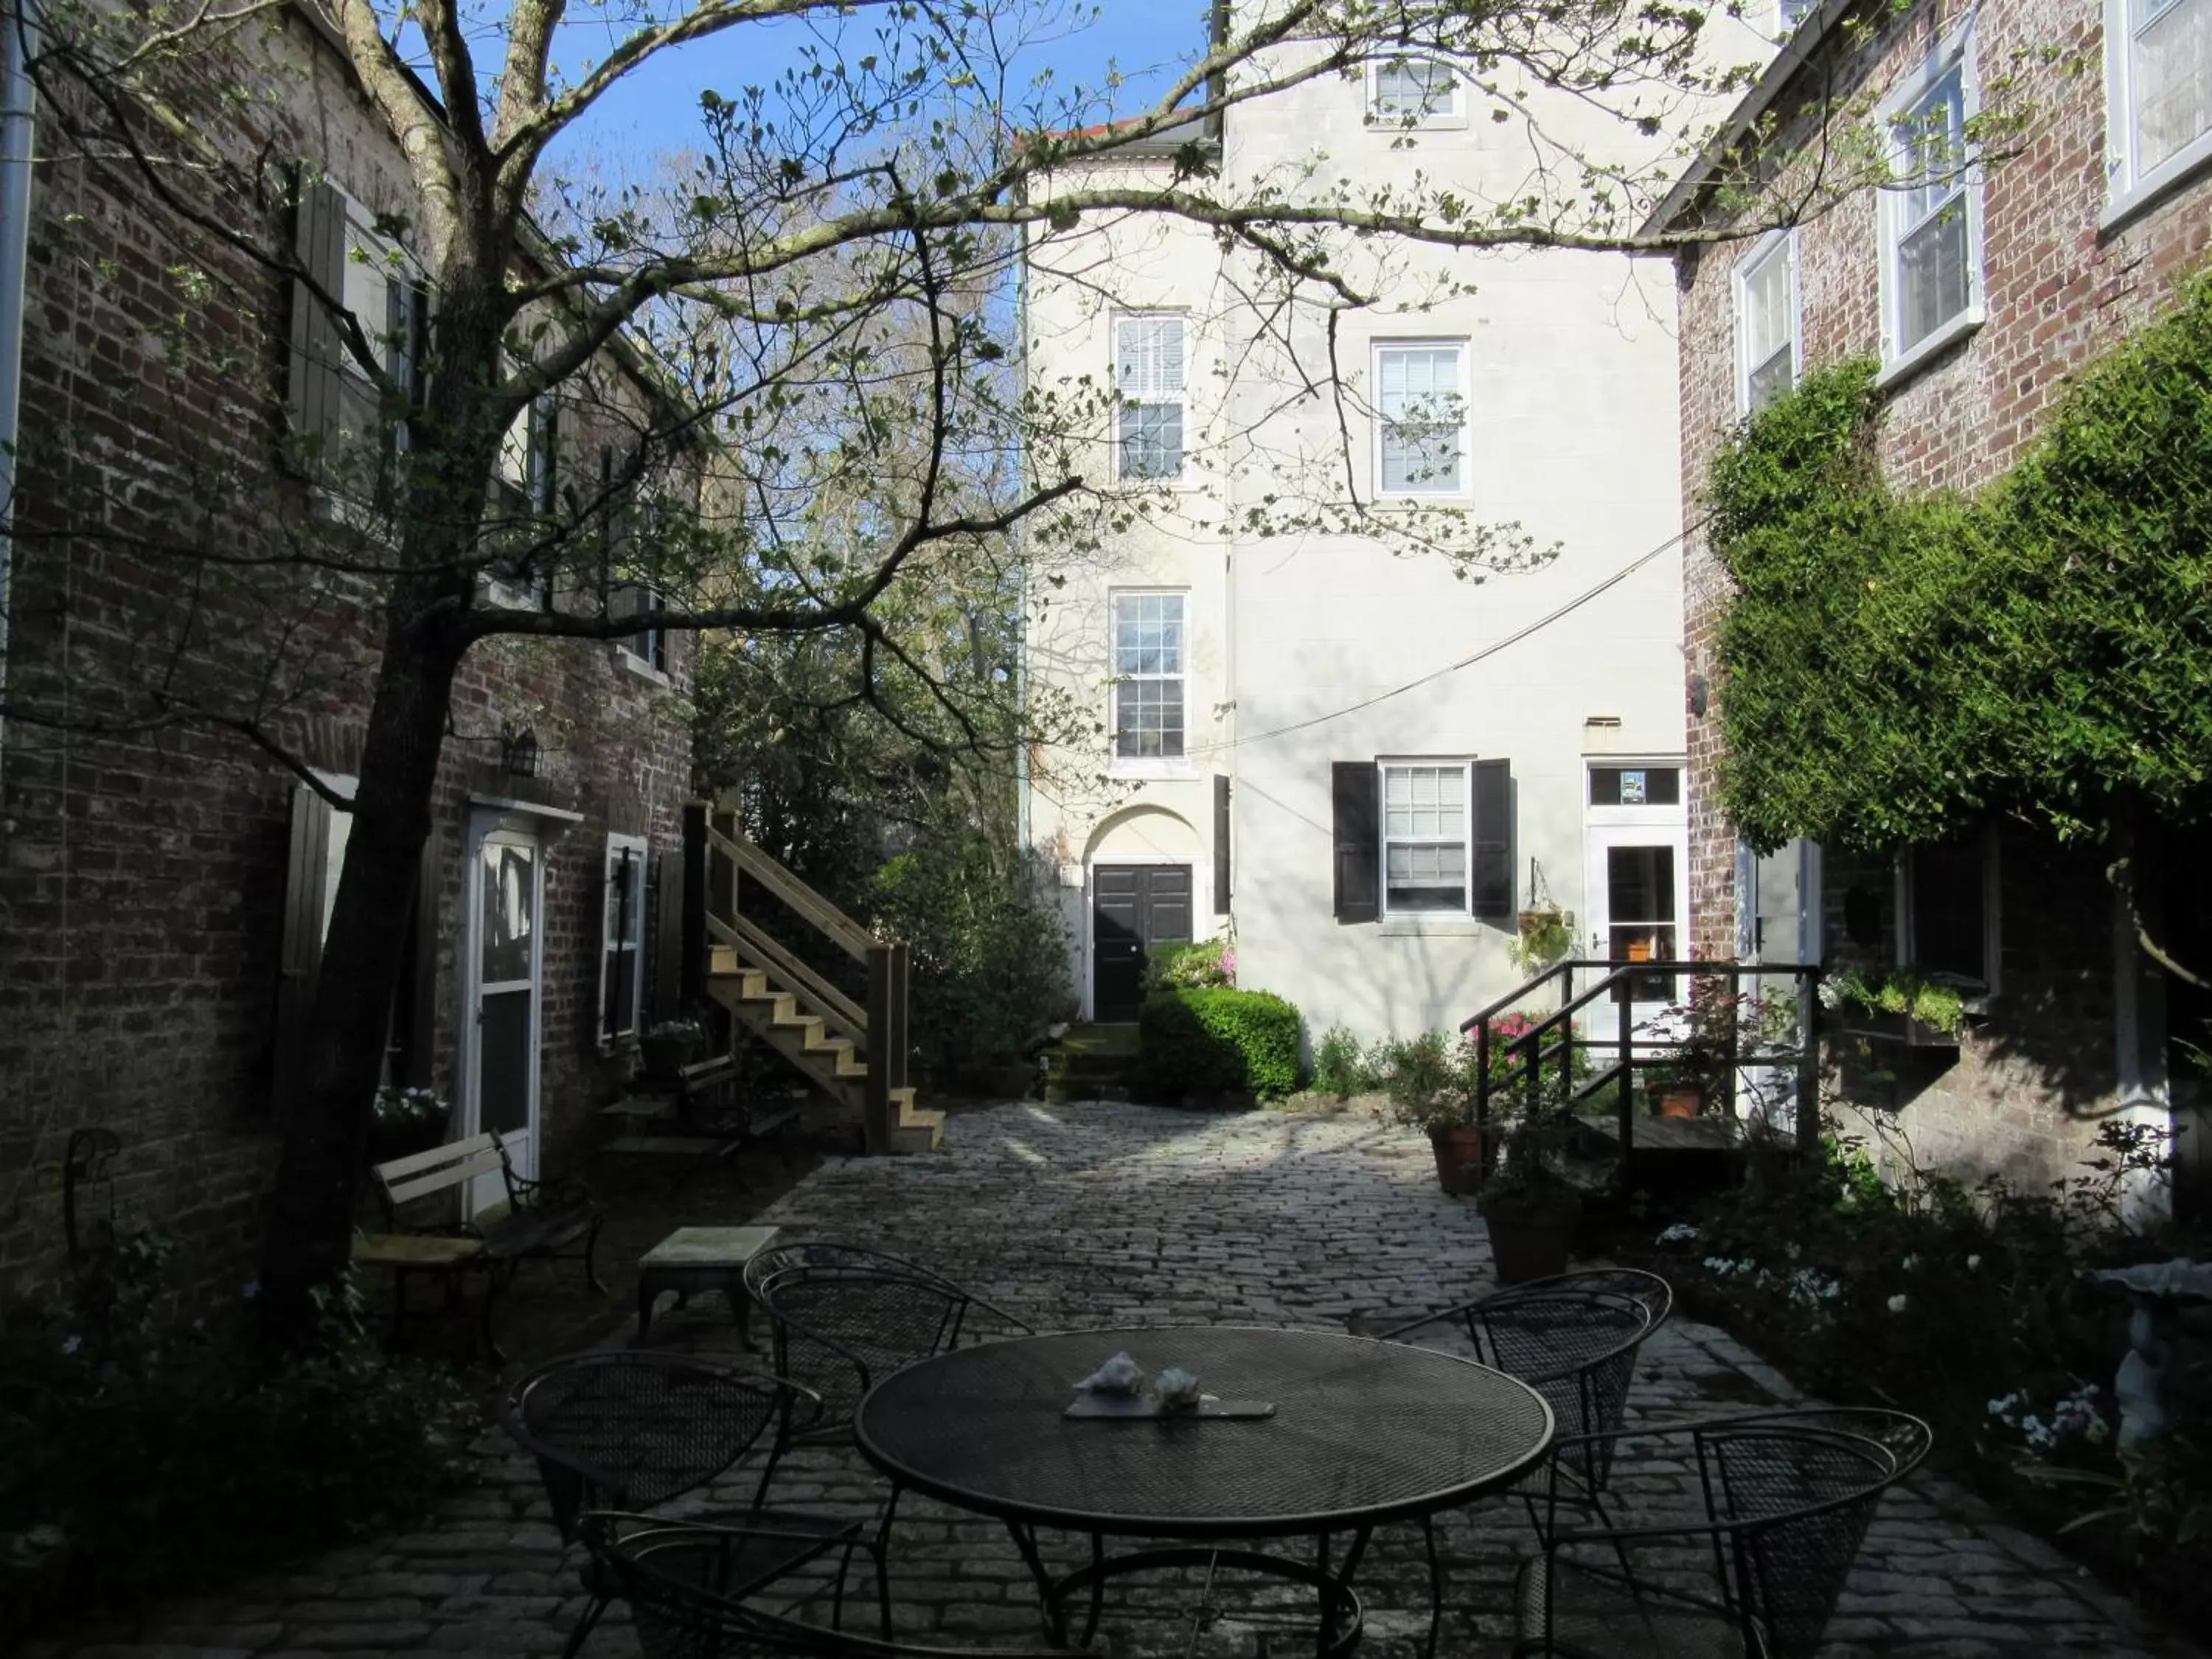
(1523, 1062)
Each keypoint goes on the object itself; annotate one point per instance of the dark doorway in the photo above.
(1134, 906)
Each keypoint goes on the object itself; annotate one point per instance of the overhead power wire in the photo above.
(1468, 661)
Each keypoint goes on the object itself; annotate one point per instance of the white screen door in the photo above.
(499, 1022)
(1634, 878)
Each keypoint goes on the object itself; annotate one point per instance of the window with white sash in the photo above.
(2158, 75)
(1413, 91)
(1767, 322)
(622, 961)
(1148, 373)
(1421, 429)
(1148, 676)
(1931, 217)
(1425, 837)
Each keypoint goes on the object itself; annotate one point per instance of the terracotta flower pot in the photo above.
(1530, 1237)
(1680, 1102)
(1463, 1158)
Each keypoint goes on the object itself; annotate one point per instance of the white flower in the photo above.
(1972, 1262)
(72, 1345)
(1897, 1303)
(252, 1289)
(1680, 1233)
(1909, 1263)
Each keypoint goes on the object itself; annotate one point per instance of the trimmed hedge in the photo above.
(1218, 1037)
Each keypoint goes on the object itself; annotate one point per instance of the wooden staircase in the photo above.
(854, 1056)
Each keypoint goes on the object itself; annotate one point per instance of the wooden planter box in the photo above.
(1899, 1029)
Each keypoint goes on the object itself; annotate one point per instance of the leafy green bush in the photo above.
(1190, 967)
(1341, 1066)
(989, 965)
(138, 1453)
(1218, 1037)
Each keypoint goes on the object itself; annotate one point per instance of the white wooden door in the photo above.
(1637, 894)
(502, 1018)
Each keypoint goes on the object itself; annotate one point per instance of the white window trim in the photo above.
(1465, 492)
(2126, 192)
(1783, 28)
(1180, 479)
(1119, 765)
(1384, 839)
(1776, 244)
(617, 844)
(644, 666)
(1445, 121)
(1992, 914)
(1958, 48)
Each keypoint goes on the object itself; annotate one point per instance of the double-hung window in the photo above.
(1788, 14)
(384, 291)
(1148, 373)
(1767, 322)
(1424, 809)
(2158, 93)
(1148, 676)
(1931, 217)
(523, 493)
(621, 962)
(1413, 91)
(1421, 426)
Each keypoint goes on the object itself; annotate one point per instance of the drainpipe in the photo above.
(18, 129)
(1023, 549)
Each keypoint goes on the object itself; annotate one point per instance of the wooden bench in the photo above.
(695, 1114)
(544, 1222)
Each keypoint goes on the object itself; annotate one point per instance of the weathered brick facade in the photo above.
(144, 872)
(2029, 1083)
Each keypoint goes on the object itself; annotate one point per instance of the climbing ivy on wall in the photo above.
(1895, 666)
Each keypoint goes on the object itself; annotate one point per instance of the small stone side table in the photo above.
(694, 1259)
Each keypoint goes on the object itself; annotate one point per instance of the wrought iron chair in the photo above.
(1573, 1338)
(686, 1590)
(634, 1430)
(1787, 1498)
(843, 1317)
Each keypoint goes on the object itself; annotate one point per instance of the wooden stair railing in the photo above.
(856, 1055)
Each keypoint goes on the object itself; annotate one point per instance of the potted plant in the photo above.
(1429, 1089)
(665, 1048)
(1547, 936)
(1527, 1204)
(404, 1122)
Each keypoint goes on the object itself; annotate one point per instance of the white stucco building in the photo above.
(1319, 740)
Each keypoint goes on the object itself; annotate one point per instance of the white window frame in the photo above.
(1464, 766)
(1464, 490)
(1142, 765)
(1992, 911)
(1123, 399)
(616, 845)
(1775, 244)
(2128, 191)
(655, 639)
(516, 468)
(1453, 115)
(1785, 24)
(1956, 50)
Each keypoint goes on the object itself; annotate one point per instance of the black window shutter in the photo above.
(307, 870)
(1493, 840)
(312, 362)
(1221, 845)
(415, 1010)
(665, 950)
(1356, 809)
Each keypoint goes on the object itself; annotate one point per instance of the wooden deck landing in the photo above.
(1668, 1134)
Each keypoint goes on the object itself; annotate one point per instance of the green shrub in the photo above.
(989, 965)
(140, 1454)
(1340, 1066)
(1217, 1038)
(1190, 967)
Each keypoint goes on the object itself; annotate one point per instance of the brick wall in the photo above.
(2059, 294)
(143, 870)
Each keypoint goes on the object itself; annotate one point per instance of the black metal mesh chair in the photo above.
(686, 1590)
(634, 1430)
(1787, 1499)
(1573, 1338)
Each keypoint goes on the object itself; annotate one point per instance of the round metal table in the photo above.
(1364, 1433)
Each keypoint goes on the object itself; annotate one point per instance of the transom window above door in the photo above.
(1636, 786)
(1425, 837)
(1148, 676)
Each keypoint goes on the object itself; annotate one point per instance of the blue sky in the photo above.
(656, 109)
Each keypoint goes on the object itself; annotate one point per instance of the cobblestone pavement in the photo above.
(1095, 1214)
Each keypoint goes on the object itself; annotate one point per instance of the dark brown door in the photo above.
(1133, 907)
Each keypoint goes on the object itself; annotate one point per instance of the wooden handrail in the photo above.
(745, 933)
(842, 931)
